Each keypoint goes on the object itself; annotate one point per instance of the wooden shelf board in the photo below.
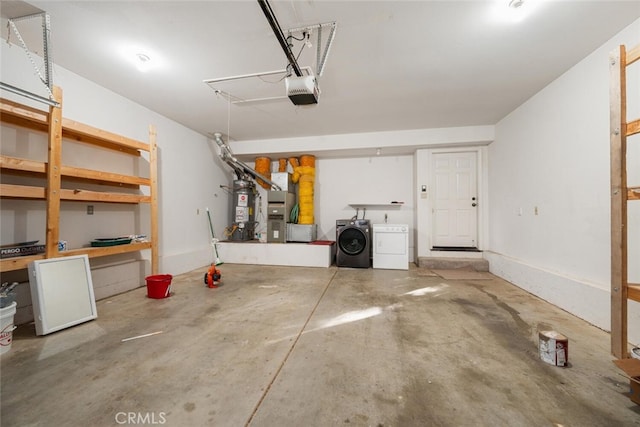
(31, 166)
(24, 122)
(633, 291)
(81, 132)
(633, 55)
(23, 165)
(103, 177)
(80, 195)
(21, 191)
(18, 263)
(633, 193)
(12, 112)
(633, 127)
(29, 192)
(107, 250)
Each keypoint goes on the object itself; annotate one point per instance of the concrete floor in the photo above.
(288, 346)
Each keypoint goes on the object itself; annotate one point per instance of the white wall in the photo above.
(425, 203)
(549, 191)
(348, 171)
(372, 181)
(366, 144)
(189, 178)
(375, 180)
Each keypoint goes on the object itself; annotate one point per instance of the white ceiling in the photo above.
(393, 64)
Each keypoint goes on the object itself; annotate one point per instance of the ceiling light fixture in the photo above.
(514, 11)
(143, 58)
(143, 62)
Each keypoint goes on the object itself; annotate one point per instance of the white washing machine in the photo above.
(391, 246)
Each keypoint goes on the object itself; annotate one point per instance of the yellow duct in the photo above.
(295, 164)
(306, 173)
(263, 167)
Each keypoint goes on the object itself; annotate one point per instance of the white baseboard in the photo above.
(184, 262)
(116, 279)
(582, 299)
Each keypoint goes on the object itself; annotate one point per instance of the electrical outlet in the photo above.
(89, 209)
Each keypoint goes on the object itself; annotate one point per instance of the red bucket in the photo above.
(159, 286)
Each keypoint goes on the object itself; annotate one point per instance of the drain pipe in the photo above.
(275, 26)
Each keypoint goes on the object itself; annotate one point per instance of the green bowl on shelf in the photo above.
(113, 241)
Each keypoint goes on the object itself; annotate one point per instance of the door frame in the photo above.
(424, 202)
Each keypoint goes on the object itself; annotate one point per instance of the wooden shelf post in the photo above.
(153, 176)
(52, 192)
(620, 128)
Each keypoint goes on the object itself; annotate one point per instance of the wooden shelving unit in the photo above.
(57, 129)
(621, 193)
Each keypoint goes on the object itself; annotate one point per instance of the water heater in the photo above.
(242, 210)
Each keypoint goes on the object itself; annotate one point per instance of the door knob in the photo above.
(474, 204)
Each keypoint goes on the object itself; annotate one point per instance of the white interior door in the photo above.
(455, 200)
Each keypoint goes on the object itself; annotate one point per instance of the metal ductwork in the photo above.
(243, 196)
(242, 170)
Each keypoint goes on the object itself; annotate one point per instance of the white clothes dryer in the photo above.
(391, 246)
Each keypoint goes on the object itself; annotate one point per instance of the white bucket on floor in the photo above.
(6, 327)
